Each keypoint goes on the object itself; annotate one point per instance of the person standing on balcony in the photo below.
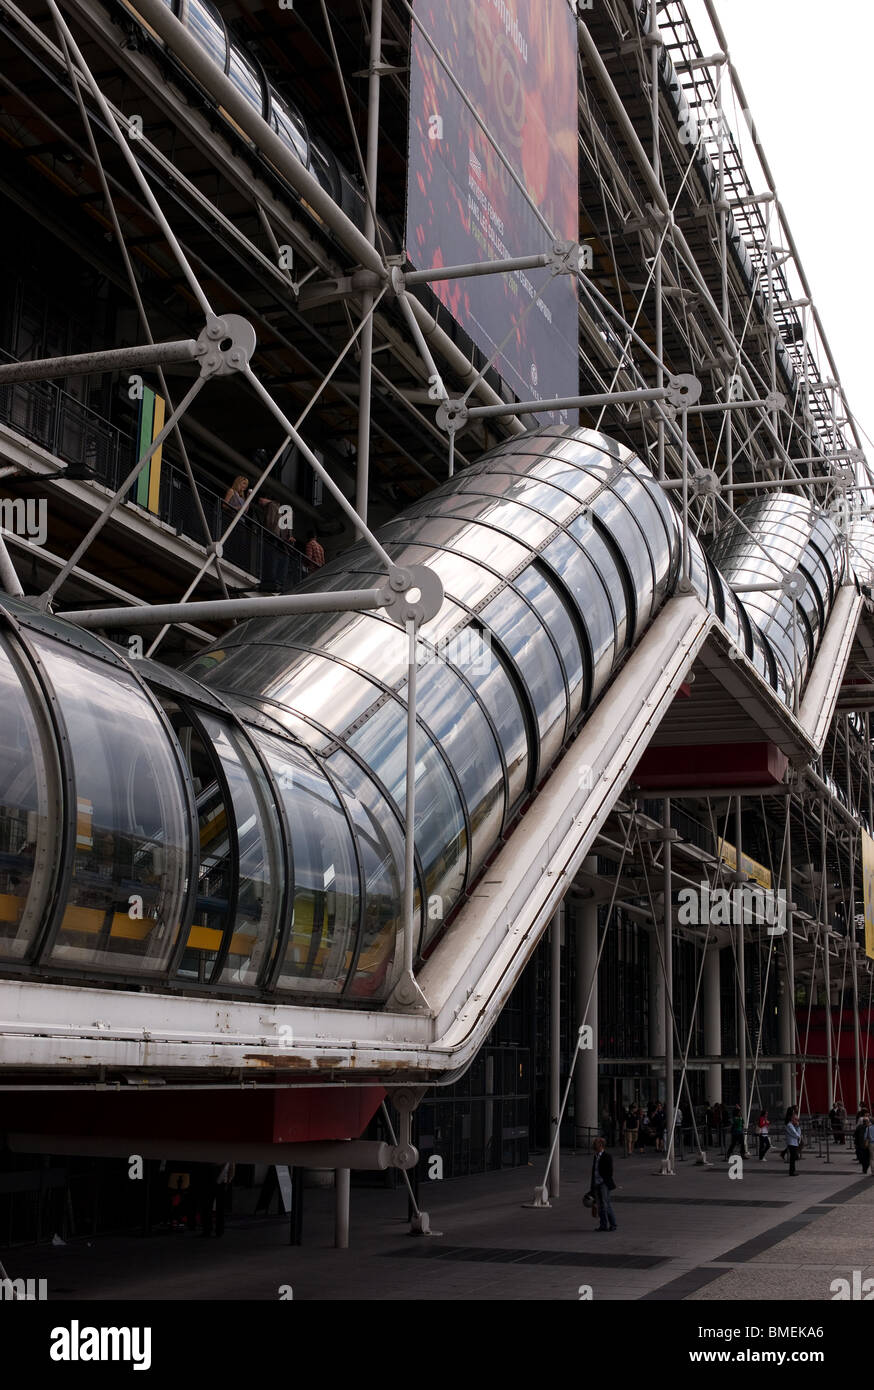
(314, 552)
(274, 573)
(236, 494)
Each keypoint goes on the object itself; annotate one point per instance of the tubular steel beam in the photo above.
(113, 360)
(489, 412)
(474, 268)
(227, 610)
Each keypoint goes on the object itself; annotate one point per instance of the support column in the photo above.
(668, 964)
(365, 375)
(586, 1078)
(656, 1001)
(555, 1046)
(786, 980)
(741, 970)
(826, 965)
(342, 1192)
(711, 999)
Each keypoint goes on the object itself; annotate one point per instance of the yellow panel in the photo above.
(131, 928)
(242, 944)
(10, 907)
(757, 872)
(88, 919)
(155, 462)
(204, 938)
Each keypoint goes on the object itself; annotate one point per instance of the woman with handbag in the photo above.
(603, 1185)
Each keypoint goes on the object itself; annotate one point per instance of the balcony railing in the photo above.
(73, 432)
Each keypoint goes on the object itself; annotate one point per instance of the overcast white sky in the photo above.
(807, 70)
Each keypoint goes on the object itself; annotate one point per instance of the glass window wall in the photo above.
(130, 863)
(29, 831)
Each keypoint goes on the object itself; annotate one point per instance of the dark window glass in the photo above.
(260, 875)
(324, 929)
(126, 898)
(29, 830)
(381, 852)
(381, 846)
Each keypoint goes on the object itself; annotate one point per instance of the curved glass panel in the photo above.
(217, 864)
(492, 547)
(246, 78)
(594, 610)
(260, 877)
(474, 654)
(511, 619)
(130, 862)
(603, 558)
(501, 514)
(379, 648)
(452, 714)
(289, 126)
(307, 683)
(207, 28)
(381, 849)
(441, 837)
(29, 832)
(538, 496)
(556, 619)
(320, 946)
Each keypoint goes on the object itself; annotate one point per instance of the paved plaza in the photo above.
(697, 1235)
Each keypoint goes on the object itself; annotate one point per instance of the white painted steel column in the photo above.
(555, 1045)
(586, 1078)
(712, 1018)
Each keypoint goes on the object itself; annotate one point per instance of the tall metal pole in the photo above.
(667, 965)
(851, 925)
(586, 1075)
(722, 205)
(362, 468)
(741, 970)
(555, 1046)
(786, 1018)
(655, 45)
(826, 965)
(342, 1195)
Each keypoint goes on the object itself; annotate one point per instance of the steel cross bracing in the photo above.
(665, 263)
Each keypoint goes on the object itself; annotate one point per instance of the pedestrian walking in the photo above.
(793, 1139)
(737, 1133)
(764, 1132)
(863, 1153)
(603, 1185)
(632, 1123)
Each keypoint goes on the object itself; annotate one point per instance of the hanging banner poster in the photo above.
(493, 141)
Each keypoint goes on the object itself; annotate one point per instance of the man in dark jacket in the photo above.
(603, 1185)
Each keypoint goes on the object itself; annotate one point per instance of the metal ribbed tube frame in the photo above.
(239, 828)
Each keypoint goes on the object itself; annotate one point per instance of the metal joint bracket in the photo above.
(225, 345)
(566, 258)
(775, 400)
(413, 594)
(683, 390)
(705, 484)
(792, 585)
(451, 416)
